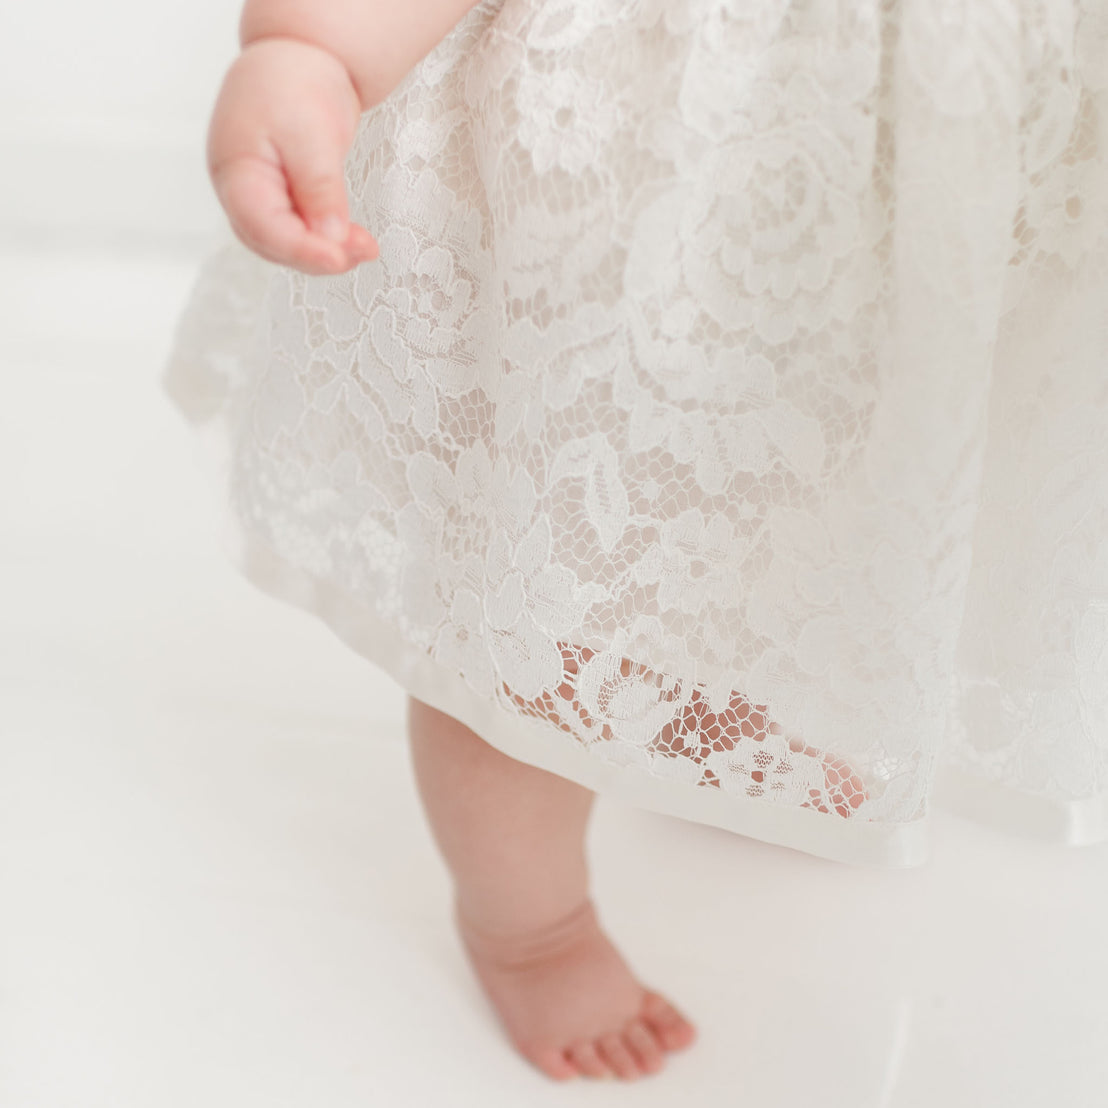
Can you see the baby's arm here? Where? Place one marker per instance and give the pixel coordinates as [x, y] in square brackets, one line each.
[378, 41]
[288, 110]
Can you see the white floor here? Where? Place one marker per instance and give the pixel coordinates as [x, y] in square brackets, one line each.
[216, 886]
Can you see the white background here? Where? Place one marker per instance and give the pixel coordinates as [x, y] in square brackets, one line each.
[216, 885]
[105, 114]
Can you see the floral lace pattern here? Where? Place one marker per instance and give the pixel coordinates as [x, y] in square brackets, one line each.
[731, 392]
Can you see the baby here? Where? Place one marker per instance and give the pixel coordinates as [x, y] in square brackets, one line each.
[512, 835]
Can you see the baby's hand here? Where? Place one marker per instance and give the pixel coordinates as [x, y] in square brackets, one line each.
[277, 143]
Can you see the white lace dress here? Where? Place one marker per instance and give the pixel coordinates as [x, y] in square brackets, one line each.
[725, 423]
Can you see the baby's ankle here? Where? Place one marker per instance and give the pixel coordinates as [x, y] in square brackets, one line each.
[518, 943]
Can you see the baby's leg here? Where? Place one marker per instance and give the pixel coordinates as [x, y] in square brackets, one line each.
[513, 837]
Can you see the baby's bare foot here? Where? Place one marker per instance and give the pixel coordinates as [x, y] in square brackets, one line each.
[569, 1002]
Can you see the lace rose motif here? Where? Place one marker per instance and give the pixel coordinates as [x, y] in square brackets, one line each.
[529, 599]
[757, 238]
[565, 119]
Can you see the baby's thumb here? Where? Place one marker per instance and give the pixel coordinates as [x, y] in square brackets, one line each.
[317, 186]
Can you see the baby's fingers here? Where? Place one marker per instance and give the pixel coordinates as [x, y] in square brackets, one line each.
[256, 196]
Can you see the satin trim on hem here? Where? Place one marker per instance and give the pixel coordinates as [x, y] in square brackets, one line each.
[1079, 822]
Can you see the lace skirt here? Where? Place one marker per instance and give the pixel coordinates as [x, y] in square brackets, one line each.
[724, 425]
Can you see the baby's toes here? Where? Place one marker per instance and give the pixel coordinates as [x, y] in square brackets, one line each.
[643, 1044]
[585, 1057]
[617, 1054]
[673, 1031]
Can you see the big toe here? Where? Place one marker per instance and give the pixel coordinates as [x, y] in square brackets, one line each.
[672, 1029]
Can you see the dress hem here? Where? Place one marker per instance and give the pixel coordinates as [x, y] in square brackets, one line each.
[853, 842]
[529, 740]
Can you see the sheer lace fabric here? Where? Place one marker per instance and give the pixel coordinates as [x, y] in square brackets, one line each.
[726, 419]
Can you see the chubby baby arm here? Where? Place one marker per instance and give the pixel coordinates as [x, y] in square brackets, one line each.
[288, 109]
